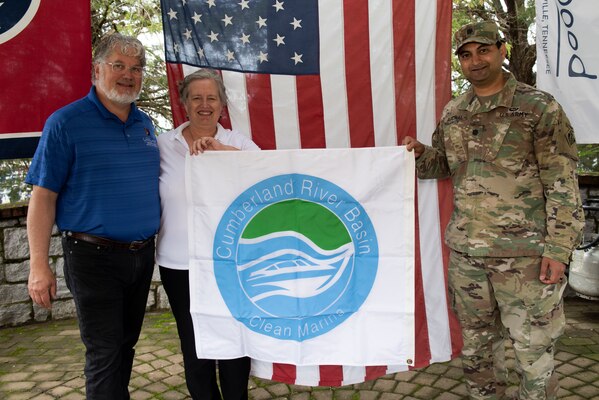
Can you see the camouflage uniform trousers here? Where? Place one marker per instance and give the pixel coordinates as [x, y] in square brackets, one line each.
[496, 297]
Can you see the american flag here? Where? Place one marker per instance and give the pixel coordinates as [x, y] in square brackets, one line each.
[333, 74]
[35, 77]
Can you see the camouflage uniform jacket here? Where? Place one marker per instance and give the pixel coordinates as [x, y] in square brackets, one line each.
[512, 159]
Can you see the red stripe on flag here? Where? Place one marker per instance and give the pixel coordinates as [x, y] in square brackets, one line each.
[357, 73]
[174, 74]
[285, 373]
[260, 106]
[404, 37]
[374, 372]
[423, 349]
[330, 375]
[444, 187]
[225, 120]
[443, 56]
[310, 112]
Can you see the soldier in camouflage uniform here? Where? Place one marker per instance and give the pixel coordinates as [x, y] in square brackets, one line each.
[511, 154]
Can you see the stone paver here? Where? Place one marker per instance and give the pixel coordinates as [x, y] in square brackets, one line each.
[44, 361]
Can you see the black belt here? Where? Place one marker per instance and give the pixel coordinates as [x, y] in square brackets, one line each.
[100, 241]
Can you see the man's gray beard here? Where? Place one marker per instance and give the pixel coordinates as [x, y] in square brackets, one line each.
[114, 95]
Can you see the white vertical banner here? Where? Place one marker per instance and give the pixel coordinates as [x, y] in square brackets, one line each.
[568, 60]
[303, 257]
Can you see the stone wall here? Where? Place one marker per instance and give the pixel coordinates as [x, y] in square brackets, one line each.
[16, 307]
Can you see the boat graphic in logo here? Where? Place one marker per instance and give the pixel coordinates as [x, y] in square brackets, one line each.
[294, 256]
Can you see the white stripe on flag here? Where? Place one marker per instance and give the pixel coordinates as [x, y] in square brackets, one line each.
[426, 14]
[309, 374]
[433, 274]
[238, 101]
[284, 100]
[332, 73]
[382, 73]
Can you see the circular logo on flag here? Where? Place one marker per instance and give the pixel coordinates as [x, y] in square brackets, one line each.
[15, 15]
[294, 256]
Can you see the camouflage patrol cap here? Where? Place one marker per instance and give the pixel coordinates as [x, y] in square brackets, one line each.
[477, 32]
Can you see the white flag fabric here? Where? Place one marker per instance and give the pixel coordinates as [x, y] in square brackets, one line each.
[303, 257]
[568, 61]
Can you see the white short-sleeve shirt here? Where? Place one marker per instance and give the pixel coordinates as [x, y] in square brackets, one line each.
[172, 247]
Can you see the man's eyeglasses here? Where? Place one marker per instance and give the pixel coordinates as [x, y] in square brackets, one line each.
[120, 68]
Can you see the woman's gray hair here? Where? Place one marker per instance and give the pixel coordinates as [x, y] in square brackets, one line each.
[200, 74]
[127, 45]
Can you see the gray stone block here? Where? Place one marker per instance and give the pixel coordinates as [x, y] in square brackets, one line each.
[40, 314]
[151, 298]
[14, 293]
[62, 291]
[9, 223]
[156, 274]
[162, 303]
[58, 267]
[62, 309]
[16, 246]
[55, 246]
[15, 314]
[17, 272]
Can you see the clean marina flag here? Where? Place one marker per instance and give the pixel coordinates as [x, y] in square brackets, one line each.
[303, 257]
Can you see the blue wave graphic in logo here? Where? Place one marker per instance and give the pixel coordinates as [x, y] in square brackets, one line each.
[295, 266]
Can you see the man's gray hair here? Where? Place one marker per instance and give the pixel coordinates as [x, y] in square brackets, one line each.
[127, 45]
[201, 74]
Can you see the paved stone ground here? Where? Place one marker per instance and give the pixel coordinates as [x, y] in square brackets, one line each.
[45, 361]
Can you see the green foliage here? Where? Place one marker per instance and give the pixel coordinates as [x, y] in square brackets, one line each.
[132, 17]
[589, 159]
[13, 188]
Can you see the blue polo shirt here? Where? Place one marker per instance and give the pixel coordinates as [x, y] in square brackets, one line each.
[104, 171]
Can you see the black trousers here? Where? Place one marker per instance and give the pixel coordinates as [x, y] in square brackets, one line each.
[110, 289]
[200, 374]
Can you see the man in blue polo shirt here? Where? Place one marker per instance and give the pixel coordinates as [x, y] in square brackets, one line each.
[95, 174]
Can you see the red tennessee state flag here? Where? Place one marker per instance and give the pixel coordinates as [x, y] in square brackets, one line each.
[45, 54]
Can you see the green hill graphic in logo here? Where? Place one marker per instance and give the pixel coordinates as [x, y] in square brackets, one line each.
[310, 219]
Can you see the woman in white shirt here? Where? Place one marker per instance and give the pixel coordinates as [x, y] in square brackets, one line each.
[203, 96]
